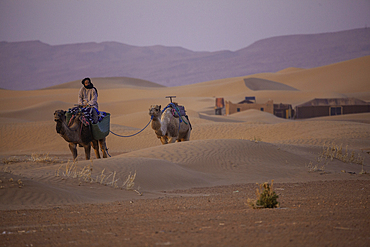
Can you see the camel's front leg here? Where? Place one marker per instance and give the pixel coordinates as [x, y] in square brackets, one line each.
[95, 146]
[73, 148]
[187, 137]
[172, 139]
[164, 140]
[87, 148]
[103, 147]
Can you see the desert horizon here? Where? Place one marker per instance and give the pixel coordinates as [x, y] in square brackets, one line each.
[52, 65]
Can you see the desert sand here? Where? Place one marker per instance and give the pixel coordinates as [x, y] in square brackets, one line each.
[225, 154]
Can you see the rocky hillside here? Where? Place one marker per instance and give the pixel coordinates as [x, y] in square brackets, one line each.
[34, 65]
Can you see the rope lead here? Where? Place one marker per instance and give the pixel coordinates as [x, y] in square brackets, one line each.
[135, 133]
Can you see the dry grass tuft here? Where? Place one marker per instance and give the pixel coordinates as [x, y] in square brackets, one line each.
[266, 197]
[11, 159]
[331, 152]
[41, 158]
[7, 170]
[20, 183]
[315, 168]
[255, 139]
[11, 183]
[129, 183]
[336, 152]
[85, 174]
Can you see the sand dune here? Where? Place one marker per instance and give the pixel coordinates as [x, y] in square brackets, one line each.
[246, 147]
[110, 83]
[331, 78]
[257, 84]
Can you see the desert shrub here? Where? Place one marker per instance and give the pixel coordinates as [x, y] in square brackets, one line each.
[266, 197]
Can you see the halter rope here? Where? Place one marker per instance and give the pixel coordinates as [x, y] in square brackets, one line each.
[135, 133]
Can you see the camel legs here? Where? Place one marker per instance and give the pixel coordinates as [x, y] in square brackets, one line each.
[172, 139]
[187, 137]
[87, 148]
[73, 148]
[164, 140]
[184, 134]
[95, 146]
[103, 147]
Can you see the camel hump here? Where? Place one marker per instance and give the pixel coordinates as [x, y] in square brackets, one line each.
[176, 109]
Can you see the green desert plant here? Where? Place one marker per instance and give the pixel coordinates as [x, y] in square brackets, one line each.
[266, 197]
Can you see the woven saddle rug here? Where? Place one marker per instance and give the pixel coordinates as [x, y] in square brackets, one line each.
[87, 112]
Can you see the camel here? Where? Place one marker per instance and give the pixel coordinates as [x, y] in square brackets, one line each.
[77, 133]
[166, 126]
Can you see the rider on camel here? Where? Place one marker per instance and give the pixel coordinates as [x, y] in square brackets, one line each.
[88, 97]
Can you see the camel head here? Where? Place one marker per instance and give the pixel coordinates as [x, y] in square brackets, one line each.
[59, 116]
[155, 111]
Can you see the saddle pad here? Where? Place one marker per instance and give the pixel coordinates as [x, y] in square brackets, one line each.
[181, 110]
[100, 129]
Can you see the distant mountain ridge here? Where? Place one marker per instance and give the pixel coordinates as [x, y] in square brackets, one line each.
[33, 65]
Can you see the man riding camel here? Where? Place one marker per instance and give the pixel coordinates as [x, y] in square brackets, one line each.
[88, 97]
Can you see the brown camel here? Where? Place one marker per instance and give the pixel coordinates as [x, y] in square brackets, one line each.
[166, 126]
[77, 133]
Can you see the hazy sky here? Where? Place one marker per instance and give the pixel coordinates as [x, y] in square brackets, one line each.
[198, 25]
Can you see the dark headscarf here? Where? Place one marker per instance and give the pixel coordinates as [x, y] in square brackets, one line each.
[90, 86]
